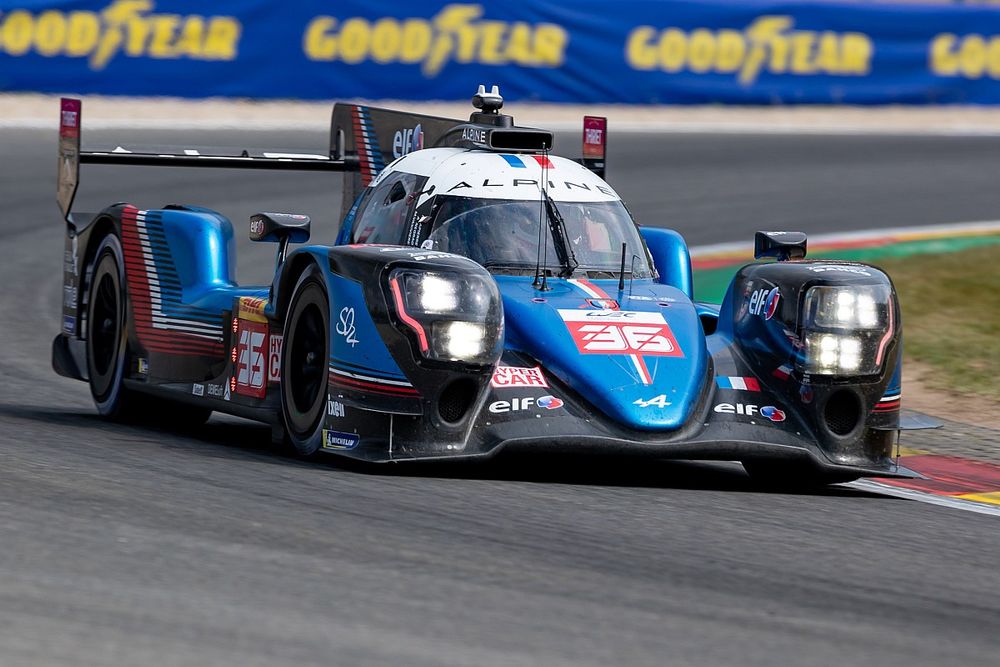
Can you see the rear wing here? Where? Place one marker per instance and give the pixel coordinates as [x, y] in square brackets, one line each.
[363, 140]
[71, 157]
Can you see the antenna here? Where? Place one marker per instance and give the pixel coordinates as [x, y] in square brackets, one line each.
[543, 247]
[621, 274]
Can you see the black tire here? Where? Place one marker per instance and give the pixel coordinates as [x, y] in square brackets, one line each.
[106, 331]
[792, 475]
[305, 363]
[107, 345]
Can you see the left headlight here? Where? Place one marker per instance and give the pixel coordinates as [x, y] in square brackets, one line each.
[454, 316]
[845, 329]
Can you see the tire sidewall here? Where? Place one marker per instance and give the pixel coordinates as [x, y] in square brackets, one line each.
[310, 289]
[109, 402]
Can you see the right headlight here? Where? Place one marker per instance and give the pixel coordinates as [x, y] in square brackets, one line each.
[454, 316]
[845, 329]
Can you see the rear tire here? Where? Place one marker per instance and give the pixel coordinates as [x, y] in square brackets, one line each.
[107, 332]
[107, 345]
[792, 475]
[305, 363]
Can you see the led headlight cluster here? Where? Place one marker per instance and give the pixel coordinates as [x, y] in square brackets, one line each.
[455, 317]
[845, 329]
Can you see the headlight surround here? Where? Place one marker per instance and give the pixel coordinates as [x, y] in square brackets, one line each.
[454, 316]
[845, 329]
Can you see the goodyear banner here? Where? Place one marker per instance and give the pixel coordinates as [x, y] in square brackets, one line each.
[629, 51]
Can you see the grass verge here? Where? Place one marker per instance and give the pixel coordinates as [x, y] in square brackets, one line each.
[951, 316]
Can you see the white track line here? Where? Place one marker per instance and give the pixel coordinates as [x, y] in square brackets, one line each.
[922, 497]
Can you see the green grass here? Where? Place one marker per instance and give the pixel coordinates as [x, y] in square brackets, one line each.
[951, 316]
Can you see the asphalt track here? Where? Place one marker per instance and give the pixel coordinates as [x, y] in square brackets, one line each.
[126, 545]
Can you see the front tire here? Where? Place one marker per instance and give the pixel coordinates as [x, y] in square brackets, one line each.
[305, 363]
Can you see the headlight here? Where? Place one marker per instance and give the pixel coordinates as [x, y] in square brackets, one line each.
[455, 316]
[845, 329]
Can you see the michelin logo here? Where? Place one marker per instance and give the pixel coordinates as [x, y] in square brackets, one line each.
[339, 440]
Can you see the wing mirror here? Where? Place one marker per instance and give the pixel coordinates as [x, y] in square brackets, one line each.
[280, 228]
[780, 245]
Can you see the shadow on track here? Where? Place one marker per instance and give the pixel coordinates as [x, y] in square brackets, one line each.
[233, 438]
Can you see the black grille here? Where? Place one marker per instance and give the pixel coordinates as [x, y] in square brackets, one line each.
[842, 412]
[455, 400]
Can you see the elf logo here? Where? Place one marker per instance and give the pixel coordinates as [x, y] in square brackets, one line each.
[765, 303]
[407, 141]
[518, 404]
[749, 410]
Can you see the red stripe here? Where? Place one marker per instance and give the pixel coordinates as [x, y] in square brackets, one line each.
[752, 384]
[544, 161]
[601, 293]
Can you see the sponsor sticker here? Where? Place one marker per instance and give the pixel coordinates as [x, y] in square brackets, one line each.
[749, 410]
[216, 390]
[69, 324]
[274, 358]
[740, 383]
[142, 366]
[621, 332]
[335, 408]
[526, 403]
[197, 390]
[251, 308]
[340, 440]
[346, 328]
[513, 376]
[764, 302]
[251, 363]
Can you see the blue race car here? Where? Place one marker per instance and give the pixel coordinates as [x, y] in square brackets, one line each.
[482, 294]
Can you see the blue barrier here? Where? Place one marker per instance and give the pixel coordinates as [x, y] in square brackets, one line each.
[631, 51]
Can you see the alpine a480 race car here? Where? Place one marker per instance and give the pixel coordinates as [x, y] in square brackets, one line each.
[481, 294]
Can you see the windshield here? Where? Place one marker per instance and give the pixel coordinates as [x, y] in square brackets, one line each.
[505, 234]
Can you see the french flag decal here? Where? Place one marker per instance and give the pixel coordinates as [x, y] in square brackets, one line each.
[782, 372]
[745, 384]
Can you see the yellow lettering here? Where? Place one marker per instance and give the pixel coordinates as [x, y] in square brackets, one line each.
[943, 60]
[82, 33]
[764, 35]
[317, 41]
[856, 51]
[972, 56]
[137, 35]
[416, 41]
[673, 50]
[518, 47]
[191, 39]
[490, 35]
[451, 19]
[732, 49]
[354, 39]
[638, 51]
[828, 53]
[164, 29]
[701, 51]
[802, 50]
[993, 58]
[550, 44]
[222, 42]
[17, 32]
[386, 39]
[50, 33]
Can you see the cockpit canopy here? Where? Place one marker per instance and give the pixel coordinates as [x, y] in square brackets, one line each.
[491, 209]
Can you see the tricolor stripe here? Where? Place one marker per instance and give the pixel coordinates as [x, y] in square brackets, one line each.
[782, 372]
[163, 322]
[378, 385]
[741, 383]
[367, 146]
[595, 292]
[513, 161]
